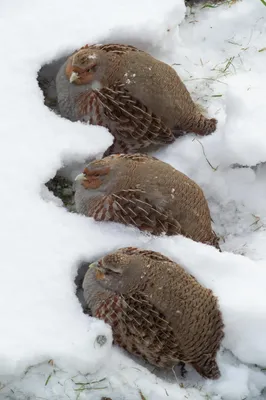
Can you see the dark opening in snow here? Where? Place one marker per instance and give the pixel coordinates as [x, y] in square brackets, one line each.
[46, 81]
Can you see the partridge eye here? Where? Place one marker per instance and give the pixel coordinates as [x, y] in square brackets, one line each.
[91, 69]
[112, 272]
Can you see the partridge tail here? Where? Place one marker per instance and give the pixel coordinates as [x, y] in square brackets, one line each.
[215, 242]
[196, 123]
[207, 367]
[203, 126]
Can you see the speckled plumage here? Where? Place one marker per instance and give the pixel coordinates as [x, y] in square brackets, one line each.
[141, 100]
[156, 309]
[147, 193]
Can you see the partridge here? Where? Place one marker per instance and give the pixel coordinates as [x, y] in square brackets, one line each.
[141, 100]
[140, 190]
[156, 309]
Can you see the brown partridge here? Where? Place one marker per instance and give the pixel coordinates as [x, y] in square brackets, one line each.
[156, 309]
[139, 190]
[141, 100]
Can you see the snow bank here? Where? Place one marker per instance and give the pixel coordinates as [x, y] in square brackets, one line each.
[217, 52]
[40, 243]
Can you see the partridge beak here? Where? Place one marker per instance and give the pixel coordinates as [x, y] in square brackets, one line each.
[73, 77]
[93, 265]
[80, 177]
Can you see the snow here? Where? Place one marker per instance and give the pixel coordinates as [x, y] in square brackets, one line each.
[219, 53]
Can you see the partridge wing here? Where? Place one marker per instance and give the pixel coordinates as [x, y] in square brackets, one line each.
[133, 121]
[153, 336]
[112, 47]
[153, 255]
[133, 207]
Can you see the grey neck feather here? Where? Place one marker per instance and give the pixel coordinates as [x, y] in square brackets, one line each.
[93, 293]
[66, 94]
[85, 198]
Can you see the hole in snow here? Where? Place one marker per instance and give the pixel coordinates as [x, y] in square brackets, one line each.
[62, 188]
[46, 81]
[81, 271]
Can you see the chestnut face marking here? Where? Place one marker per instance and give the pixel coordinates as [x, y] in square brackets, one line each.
[79, 76]
[99, 274]
[91, 178]
[80, 68]
[96, 172]
[91, 183]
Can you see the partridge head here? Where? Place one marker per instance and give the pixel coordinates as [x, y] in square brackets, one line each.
[87, 68]
[139, 190]
[140, 99]
[156, 309]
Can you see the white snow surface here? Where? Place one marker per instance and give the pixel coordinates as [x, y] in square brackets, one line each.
[220, 53]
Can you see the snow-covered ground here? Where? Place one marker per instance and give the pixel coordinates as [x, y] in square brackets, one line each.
[220, 53]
